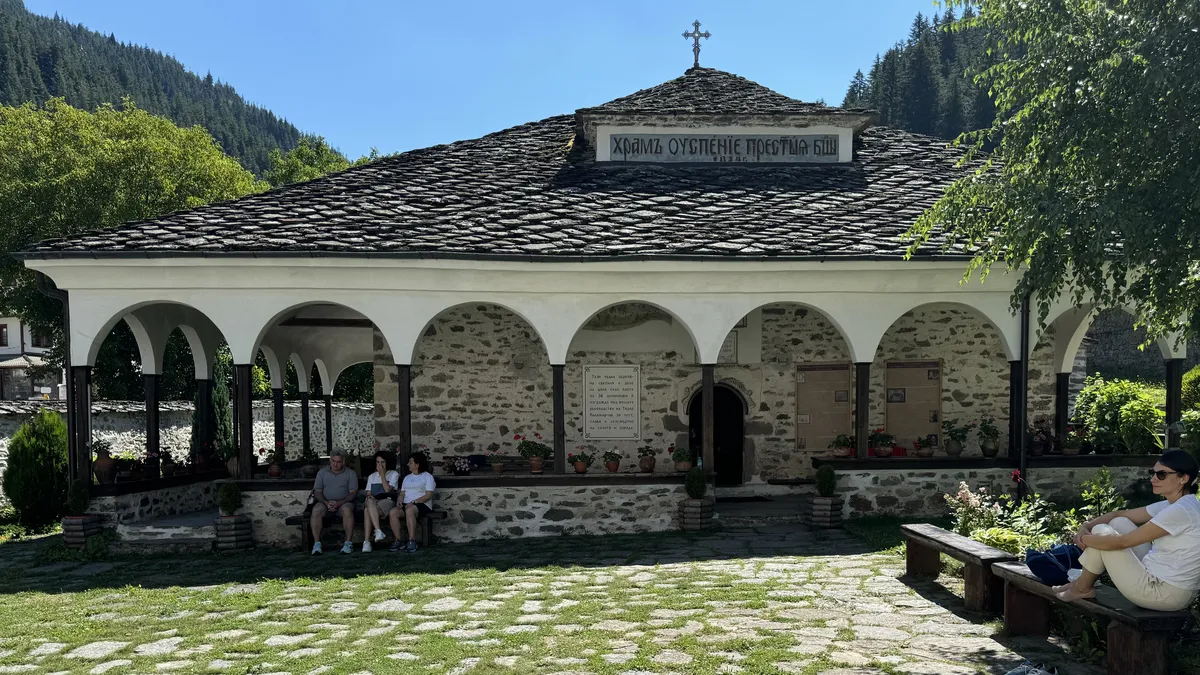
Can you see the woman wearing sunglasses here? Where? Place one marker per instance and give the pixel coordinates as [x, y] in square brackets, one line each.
[1152, 554]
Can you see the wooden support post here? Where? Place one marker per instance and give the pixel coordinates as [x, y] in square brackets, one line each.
[1024, 612]
[983, 591]
[707, 377]
[204, 423]
[153, 447]
[277, 400]
[560, 423]
[1174, 398]
[1014, 387]
[1023, 402]
[328, 424]
[921, 561]
[862, 408]
[245, 420]
[81, 466]
[404, 415]
[305, 425]
[1062, 396]
[1134, 652]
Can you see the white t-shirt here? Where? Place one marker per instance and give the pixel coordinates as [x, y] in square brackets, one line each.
[393, 479]
[1175, 558]
[416, 485]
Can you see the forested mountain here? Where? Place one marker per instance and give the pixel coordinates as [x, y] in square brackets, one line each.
[920, 84]
[41, 58]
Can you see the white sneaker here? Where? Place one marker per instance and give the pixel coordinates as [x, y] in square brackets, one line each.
[379, 536]
[317, 549]
[366, 547]
[347, 548]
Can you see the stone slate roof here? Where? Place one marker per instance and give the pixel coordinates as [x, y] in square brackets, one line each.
[532, 193]
[32, 407]
[708, 91]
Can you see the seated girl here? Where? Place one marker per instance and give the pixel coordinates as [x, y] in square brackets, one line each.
[381, 492]
[1152, 554]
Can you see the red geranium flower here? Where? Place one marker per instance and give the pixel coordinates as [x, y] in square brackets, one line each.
[1016, 476]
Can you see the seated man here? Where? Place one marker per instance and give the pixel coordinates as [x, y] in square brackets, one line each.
[334, 491]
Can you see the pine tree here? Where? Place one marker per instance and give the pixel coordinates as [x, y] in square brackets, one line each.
[919, 91]
[950, 112]
[858, 94]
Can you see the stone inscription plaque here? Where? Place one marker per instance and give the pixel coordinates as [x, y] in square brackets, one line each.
[612, 402]
[724, 148]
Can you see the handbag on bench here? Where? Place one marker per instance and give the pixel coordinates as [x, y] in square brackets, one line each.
[1050, 567]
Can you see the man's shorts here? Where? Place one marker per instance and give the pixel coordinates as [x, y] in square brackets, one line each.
[384, 506]
[319, 509]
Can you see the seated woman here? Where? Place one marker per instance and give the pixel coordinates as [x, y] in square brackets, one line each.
[1156, 565]
[381, 490]
[416, 494]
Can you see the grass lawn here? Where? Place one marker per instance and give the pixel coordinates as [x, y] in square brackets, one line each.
[767, 600]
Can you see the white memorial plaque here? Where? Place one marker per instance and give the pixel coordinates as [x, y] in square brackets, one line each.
[612, 402]
[729, 349]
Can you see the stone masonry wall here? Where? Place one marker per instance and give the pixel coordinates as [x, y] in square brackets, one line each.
[156, 503]
[481, 375]
[501, 513]
[921, 493]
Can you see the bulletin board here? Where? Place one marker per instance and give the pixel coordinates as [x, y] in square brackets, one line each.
[914, 401]
[823, 407]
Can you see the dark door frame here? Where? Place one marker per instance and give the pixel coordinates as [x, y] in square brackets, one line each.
[719, 421]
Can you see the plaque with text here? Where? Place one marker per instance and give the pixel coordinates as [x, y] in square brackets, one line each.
[784, 148]
[612, 402]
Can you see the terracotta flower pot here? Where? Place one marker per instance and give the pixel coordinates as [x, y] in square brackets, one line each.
[536, 464]
[612, 466]
[580, 467]
[683, 466]
[169, 469]
[232, 465]
[885, 451]
[646, 464]
[953, 448]
[1070, 451]
[989, 447]
[105, 470]
[845, 451]
[310, 470]
[274, 470]
[924, 452]
[497, 467]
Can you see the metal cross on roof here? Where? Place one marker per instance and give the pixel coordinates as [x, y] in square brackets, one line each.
[695, 35]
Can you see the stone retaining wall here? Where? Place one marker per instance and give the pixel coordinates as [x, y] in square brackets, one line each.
[500, 513]
[169, 501]
[921, 493]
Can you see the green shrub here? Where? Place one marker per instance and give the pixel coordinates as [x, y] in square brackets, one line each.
[36, 478]
[1191, 388]
[1100, 496]
[229, 498]
[826, 481]
[696, 483]
[1099, 406]
[1141, 422]
[1191, 432]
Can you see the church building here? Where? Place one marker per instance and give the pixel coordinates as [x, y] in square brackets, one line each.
[705, 264]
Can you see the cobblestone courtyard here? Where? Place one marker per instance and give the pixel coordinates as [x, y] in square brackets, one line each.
[767, 600]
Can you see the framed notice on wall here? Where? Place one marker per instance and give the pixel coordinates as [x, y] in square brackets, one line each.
[612, 403]
[822, 404]
[914, 401]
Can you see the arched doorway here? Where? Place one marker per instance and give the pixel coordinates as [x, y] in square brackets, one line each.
[727, 433]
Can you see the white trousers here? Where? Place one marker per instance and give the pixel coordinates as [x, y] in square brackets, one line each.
[1128, 574]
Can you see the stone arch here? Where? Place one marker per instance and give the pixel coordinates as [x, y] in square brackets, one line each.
[1071, 325]
[152, 323]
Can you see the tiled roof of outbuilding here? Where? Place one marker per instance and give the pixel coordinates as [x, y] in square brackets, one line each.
[527, 192]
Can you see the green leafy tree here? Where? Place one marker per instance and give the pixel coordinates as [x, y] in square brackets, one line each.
[65, 171]
[311, 158]
[1092, 188]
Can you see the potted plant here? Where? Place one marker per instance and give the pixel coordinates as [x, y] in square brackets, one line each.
[955, 436]
[696, 511]
[988, 435]
[78, 525]
[168, 465]
[495, 460]
[825, 509]
[311, 465]
[227, 453]
[612, 461]
[1040, 436]
[581, 461]
[1072, 442]
[923, 447]
[881, 443]
[234, 530]
[646, 458]
[104, 466]
[842, 446]
[681, 456]
[461, 466]
[535, 451]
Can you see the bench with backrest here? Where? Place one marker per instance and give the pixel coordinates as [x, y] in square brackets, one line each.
[923, 546]
[333, 522]
[1137, 638]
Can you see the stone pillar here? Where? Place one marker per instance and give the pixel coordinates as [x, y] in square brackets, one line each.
[204, 423]
[1062, 395]
[80, 463]
[707, 377]
[862, 408]
[244, 424]
[404, 414]
[277, 400]
[328, 424]
[150, 384]
[560, 423]
[1174, 398]
[305, 427]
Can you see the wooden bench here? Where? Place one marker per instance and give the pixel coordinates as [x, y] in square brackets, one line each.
[984, 593]
[1137, 638]
[333, 521]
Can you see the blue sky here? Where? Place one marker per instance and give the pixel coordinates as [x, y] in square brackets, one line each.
[398, 74]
